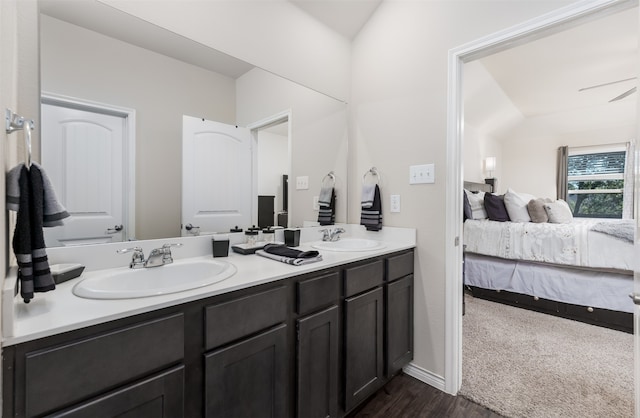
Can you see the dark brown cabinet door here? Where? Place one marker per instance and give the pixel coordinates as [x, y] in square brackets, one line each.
[399, 319]
[318, 365]
[363, 346]
[248, 378]
[160, 396]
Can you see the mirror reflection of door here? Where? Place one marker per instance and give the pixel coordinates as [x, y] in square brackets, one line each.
[83, 151]
[216, 177]
[272, 171]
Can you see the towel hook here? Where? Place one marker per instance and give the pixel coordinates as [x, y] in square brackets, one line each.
[331, 176]
[374, 173]
[15, 122]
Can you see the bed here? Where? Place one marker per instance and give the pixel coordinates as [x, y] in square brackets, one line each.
[581, 270]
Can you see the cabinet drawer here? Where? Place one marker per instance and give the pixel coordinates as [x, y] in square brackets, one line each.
[318, 292]
[239, 318]
[399, 266]
[64, 375]
[160, 396]
[364, 277]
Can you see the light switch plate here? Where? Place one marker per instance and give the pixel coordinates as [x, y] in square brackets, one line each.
[302, 183]
[424, 173]
[395, 203]
[316, 204]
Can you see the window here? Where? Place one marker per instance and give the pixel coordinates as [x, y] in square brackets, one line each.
[596, 181]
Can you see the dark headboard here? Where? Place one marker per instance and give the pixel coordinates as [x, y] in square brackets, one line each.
[478, 187]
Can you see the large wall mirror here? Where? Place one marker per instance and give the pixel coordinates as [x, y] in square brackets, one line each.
[97, 59]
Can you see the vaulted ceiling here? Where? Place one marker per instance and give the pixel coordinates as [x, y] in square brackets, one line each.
[547, 75]
[561, 82]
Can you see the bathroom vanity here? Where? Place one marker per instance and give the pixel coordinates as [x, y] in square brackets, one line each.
[313, 340]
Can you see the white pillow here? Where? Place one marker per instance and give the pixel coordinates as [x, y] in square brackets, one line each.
[516, 204]
[559, 212]
[476, 201]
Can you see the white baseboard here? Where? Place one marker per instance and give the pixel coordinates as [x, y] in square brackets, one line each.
[425, 376]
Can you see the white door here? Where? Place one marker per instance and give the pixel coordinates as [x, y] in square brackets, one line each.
[216, 176]
[82, 152]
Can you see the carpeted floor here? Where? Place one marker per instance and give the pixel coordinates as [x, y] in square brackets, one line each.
[521, 363]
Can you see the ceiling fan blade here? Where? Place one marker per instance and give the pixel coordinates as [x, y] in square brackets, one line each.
[607, 84]
[623, 95]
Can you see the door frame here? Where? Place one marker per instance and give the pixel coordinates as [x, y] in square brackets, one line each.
[276, 119]
[128, 148]
[555, 21]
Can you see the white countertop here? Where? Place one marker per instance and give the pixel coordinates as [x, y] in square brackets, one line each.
[60, 310]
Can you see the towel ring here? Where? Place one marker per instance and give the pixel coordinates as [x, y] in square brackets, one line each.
[16, 122]
[331, 176]
[374, 173]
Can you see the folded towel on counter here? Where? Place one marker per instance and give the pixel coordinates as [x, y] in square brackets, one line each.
[327, 206]
[284, 254]
[368, 194]
[53, 211]
[28, 239]
[371, 216]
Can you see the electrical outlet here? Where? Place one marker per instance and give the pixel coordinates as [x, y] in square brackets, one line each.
[302, 183]
[424, 173]
[316, 205]
[395, 203]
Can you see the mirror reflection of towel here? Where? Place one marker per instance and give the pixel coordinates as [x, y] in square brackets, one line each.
[327, 206]
[371, 215]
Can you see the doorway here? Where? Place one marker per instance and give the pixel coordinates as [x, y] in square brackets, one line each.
[272, 158]
[537, 28]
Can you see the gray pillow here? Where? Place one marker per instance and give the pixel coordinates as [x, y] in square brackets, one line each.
[536, 210]
[559, 212]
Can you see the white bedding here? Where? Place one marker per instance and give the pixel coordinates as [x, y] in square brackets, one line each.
[572, 244]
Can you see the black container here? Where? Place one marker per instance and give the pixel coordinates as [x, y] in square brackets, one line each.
[220, 246]
[291, 237]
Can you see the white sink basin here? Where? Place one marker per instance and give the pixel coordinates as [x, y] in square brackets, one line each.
[126, 283]
[350, 244]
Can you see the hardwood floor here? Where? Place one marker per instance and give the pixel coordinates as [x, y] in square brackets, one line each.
[405, 396]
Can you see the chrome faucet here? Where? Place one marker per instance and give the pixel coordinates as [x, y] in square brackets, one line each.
[157, 257]
[137, 259]
[331, 234]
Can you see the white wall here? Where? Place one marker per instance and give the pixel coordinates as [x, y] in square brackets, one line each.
[84, 64]
[477, 147]
[318, 136]
[274, 35]
[488, 112]
[398, 113]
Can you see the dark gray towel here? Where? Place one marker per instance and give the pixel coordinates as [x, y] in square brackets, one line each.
[28, 239]
[283, 250]
[284, 254]
[371, 216]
